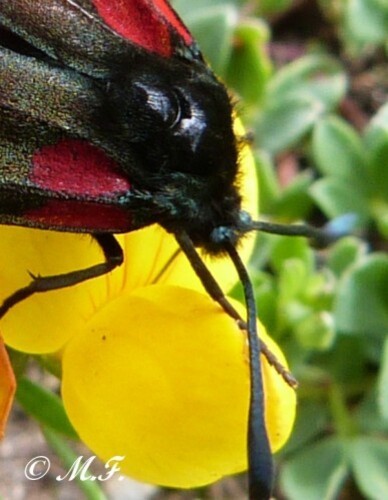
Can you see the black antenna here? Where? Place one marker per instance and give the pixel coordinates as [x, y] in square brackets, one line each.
[259, 452]
[337, 228]
[260, 471]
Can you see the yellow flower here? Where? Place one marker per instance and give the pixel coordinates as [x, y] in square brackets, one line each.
[153, 369]
[160, 376]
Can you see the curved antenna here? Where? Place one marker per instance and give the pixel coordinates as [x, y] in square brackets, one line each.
[337, 228]
[259, 451]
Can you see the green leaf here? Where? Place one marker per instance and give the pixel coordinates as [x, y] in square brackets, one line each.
[369, 459]
[290, 204]
[283, 123]
[382, 387]
[272, 6]
[346, 362]
[316, 77]
[376, 134]
[297, 96]
[213, 27]
[269, 189]
[366, 21]
[338, 151]
[361, 305]
[45, 406]
[186, 9]
[346, 252]
[295, 201]
[286, 249]
[376, 144]
[368, 415]
[316, 473]
[249, 66]
[379, 211]
[316, 331]
[312, 418]
[266, 300]
[335, 197]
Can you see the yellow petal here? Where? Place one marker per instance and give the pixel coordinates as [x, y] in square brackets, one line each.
[45, 321]
[160, 376]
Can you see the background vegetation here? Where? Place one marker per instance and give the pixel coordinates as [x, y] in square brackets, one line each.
[311, 80]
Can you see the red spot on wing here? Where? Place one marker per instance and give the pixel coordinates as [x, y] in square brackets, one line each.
[148, 23]
[79, 216]
[76, 167]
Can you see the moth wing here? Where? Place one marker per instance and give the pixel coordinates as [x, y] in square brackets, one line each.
[39, 91]
[50, 180]
[92, 35]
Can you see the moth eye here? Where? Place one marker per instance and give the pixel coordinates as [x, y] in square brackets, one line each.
[176, 111]
[184, 105]
[176, 108]
[165, 103]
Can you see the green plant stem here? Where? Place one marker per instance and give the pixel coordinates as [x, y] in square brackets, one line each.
[342, 419]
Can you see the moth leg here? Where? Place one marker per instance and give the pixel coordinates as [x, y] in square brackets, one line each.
[216, 293]
[113, 257]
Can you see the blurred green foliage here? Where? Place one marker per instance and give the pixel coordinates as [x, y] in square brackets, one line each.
[328, 309]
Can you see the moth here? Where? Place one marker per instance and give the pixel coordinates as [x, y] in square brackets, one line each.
[110, 120]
